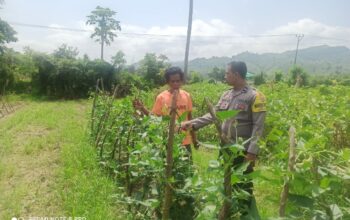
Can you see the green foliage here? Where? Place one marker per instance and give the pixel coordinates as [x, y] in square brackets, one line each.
[63, 75]
[259, 79]
[66, 52]
[70, 78]
[132, 149]
[128, 81]
[17, 70]
[321, 117]
[217, 74]
[321, 174]
[319, 188]
[200, 91]
[7, 34]
[195, 77]
[345, 82]
[152, 68]
[278, 76]
[298, 76]
[224, 115]
[329, 80]
[7, 77]
[118, 60]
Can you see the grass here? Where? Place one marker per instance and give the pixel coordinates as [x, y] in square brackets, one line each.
[47, 166]
[202, 157]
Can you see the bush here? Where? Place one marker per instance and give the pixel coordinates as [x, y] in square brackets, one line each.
[70, 78]
[278, 76]
[259, 79]
[298, 76]
[126, 83]
[195, 77]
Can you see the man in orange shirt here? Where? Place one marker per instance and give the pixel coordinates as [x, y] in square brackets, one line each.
[174, 77]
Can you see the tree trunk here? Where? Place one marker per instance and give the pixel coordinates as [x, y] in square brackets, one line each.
[189, 30]
[102, 44]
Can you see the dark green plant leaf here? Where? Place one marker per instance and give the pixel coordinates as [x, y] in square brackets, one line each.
[301, 200]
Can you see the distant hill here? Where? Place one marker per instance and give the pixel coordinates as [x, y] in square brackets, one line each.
[315, 60]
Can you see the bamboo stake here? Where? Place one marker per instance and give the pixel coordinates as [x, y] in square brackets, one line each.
[291, 163]
[105, 117]
[169, 160]
[226, 207]
[127, 171]
[93, 107]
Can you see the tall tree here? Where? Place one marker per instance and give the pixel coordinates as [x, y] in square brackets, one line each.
[105, 26]
[189, 30]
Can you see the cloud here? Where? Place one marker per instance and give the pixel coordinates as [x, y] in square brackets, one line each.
[209, 38]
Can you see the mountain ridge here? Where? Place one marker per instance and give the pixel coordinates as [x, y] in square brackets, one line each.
[315, 60]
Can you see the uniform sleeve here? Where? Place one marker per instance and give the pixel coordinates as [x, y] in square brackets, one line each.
[206, 119]
[158, 106]
[258, 117]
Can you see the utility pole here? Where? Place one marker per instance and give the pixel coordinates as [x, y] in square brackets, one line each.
[299, 38]
[189, 30]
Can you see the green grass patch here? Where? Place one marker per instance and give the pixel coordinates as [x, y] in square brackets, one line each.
[47, 165]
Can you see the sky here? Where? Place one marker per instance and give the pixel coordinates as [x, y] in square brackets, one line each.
[220, 27]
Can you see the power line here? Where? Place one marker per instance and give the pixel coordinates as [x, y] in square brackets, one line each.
[47, 27]
[153, 36]
[146, 34]
[328, 38]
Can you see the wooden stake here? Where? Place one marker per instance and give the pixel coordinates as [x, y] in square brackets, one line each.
[291, 163]
[105, 117]
[169, 160]
[225, 211]
[93, 107]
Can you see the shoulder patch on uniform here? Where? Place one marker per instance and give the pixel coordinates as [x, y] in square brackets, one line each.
[259, 104]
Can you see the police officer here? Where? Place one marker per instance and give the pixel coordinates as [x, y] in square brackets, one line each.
[247, 124]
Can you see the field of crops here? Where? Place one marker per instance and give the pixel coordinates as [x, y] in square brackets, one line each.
[133, 150]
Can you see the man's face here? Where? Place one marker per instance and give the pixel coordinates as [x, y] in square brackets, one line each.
[230, 76]
[175, 81]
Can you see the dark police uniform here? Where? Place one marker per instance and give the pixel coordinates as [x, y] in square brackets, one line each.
[248, 123]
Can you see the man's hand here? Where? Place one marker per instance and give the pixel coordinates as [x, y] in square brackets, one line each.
[250, 157]
[186, 125]
[196, 144]
[137, 104]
